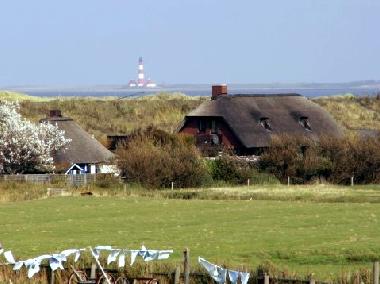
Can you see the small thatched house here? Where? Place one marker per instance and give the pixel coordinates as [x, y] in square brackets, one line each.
[246, 123]
[84, 154]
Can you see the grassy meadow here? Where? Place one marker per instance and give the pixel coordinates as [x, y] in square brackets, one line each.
[321, 229]
[303, 235]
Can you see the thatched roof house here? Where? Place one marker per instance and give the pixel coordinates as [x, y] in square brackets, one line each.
[248, 122]
[84, 153]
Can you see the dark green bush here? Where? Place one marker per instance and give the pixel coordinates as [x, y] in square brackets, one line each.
[106, 181]
[333, 159]
[231, 170]
[155, 159]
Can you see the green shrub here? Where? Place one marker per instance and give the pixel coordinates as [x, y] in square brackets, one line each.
[106, 181]
[155, 159]
[333, 159]
[231, 170]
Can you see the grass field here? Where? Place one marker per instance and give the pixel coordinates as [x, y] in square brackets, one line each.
[304, 237]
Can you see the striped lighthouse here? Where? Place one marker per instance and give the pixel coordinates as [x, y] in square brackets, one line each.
[141, 82]
[140, 74]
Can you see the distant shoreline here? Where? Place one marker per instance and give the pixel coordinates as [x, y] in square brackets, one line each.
[360, 88]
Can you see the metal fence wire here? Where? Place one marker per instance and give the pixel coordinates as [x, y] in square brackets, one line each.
[72, 180]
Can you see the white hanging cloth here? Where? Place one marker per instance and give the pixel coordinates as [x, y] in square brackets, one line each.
[216, 272]
[219, 274]
[56, 260]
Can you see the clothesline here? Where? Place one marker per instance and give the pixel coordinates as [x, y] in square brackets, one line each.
[219, 274]
[56, 260]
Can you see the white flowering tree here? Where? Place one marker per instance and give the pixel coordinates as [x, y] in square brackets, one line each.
[26, 147]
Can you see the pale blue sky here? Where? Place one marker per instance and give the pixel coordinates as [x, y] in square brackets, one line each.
[79, 42]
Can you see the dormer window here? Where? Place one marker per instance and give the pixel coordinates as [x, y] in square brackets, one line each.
[201, 125]
[265, 122]
[304, 121]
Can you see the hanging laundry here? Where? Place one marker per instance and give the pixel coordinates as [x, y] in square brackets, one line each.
[233, 276]
[164, 254]
[68, 252]
[216, 272]
[33, 265]
[18, 265]
[77, 254]
[9, 257]
[121, 260]
[33, 269]
[103, 247]
[134, 254]
[55, 263]
[244, 277]
[56, 260]
[219, 274]
[149, 255]
[98, 249]
[112, 256]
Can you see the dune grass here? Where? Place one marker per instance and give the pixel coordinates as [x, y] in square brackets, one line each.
[111, 115]
[101, 117]
[15, 96]
[353, 112]
[166, 111]
[306, 237]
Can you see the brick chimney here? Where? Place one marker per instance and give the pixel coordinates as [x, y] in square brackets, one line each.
[218, 90]
[55, 113]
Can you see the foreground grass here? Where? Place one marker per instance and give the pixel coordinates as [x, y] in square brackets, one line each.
[307, 237]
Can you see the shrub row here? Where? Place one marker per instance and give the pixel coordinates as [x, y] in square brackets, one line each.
[331, 159]
[155, 159]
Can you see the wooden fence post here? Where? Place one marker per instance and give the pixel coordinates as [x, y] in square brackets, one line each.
[311, 281]
[375, 272]
[266, 278]
[288, 181]
[186, 265]
[352, 181]
[177, 275]
[248, 182]
[93, 270]
[51, 276]
[172, 185]
[357, 280]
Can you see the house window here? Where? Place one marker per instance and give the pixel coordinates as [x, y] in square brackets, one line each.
[304, 121]
[213, 126]
[93, 169]
[265, 122]
[201, 125]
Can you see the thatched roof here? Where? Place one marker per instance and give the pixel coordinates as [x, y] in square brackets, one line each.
[284, 113]
[83, 147]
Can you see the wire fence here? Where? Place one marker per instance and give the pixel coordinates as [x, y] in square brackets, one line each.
[72, 180]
